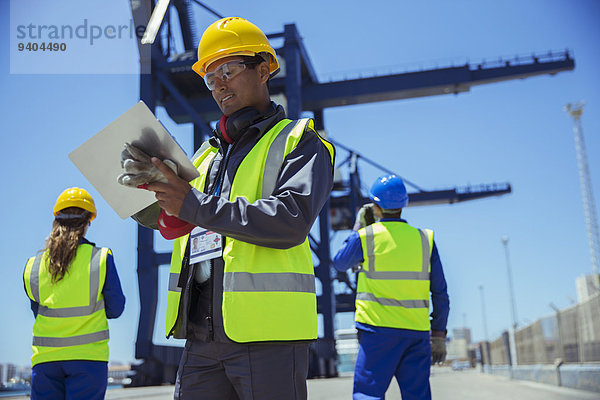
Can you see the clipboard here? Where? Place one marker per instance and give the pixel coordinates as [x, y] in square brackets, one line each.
[99, 158]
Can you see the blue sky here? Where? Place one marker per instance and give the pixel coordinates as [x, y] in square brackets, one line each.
[513, 132]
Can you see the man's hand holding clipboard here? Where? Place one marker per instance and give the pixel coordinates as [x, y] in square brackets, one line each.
[99, 158]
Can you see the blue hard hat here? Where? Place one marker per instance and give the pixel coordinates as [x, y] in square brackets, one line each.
[389, 192]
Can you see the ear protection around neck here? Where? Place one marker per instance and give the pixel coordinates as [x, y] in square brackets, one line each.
[231, 128]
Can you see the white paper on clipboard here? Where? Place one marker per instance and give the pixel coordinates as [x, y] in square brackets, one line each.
[99, 158]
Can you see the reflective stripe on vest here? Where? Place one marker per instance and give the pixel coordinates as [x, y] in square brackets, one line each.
[268, 282]
[173, 282]
[371, 273]
[70, 340]
[393, 302]
[94, 304]
[274, 159]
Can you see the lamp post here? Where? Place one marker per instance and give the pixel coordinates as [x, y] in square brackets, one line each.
[513, 308]
[561, 347]
[485, 357]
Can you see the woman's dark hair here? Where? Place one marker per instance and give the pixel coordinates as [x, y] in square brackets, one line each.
[67, 230]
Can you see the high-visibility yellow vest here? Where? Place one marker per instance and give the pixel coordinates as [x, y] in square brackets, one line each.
[71, 321]
[268, 294]
[393, 285]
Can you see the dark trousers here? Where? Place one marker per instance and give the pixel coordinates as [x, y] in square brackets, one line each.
[384, 356]
[232, 371]
[73, 380]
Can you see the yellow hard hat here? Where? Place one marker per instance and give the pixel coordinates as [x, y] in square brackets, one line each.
[232, 36]
[75, 197]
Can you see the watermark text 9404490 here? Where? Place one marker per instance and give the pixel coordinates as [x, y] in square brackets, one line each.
[44, 46]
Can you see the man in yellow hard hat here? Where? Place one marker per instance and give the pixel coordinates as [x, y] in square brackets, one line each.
[245, 297]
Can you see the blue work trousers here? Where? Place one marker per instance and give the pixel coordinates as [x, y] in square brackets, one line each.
[69, 380]
[382, 356]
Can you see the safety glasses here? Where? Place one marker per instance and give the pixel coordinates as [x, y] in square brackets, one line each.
[225, 72]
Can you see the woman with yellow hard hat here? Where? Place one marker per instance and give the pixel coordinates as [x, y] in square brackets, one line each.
[73, 287]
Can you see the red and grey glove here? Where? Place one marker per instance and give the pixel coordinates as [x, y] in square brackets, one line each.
[171, 227]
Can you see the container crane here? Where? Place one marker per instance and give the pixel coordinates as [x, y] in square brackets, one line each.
[167, 80]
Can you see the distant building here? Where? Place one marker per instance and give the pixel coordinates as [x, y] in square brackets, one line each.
[462, 333]
[11, 372]
[457, 349]
[586, 287]
[14, 373]
[25, 373]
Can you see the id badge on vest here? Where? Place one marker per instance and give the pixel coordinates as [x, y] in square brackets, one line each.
[204, 245]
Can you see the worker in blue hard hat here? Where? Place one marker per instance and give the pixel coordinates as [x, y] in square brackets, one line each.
[73, 287]
[399, 268]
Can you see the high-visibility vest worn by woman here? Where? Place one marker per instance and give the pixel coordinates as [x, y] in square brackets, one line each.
[268, 294]
[393, 286]
[71, 321]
